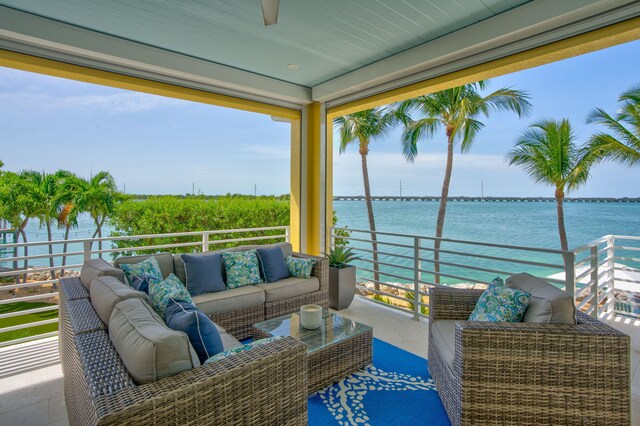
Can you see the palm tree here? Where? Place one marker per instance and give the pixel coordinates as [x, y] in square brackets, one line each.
[623, 143]
[46, 193]
[361, 128]
[67, 219]
[97, 196]
[456, 111]
[547, 151]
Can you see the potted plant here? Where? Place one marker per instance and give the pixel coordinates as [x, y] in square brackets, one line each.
[342, 277]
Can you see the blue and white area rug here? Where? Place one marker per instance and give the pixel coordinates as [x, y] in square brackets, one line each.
[396, 390]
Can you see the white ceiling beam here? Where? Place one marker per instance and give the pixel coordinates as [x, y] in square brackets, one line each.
[30, 34]
[525, 27]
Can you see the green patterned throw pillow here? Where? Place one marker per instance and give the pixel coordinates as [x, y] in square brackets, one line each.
[242, 268]
[501, 304]
[300, 267]
[162, 292]
[239, 349]
[148, 268]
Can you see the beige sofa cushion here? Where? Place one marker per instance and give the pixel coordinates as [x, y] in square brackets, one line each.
[178, 263]
[106, 292]
[165, 261]
[149, 349]
[229, 300]
[94, 268]
[443, 335]
[548, 304]
[229, 342]
[288, 288]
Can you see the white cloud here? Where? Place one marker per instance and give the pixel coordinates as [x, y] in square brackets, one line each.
[115, 103]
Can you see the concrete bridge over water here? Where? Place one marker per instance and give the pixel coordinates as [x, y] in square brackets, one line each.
[487, 199]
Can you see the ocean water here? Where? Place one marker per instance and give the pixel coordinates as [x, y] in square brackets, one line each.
[531, 224]
[528, 224]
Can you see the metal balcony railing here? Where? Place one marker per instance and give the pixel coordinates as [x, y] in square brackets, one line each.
[19, 285]
[401, 270]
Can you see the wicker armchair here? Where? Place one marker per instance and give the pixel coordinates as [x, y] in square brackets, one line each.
[525, 373]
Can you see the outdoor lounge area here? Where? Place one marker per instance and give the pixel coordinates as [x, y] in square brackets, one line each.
[238, 324]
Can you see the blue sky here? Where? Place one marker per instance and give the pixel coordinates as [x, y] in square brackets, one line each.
[159, 145]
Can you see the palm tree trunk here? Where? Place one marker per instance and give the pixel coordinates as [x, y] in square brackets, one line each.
[443, 208]
[372, 223]
[16, 238]
[564, 245]
[26, 253]
[67, 227]
[51, 263]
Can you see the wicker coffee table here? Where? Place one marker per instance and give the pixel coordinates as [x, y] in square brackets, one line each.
[338, 348]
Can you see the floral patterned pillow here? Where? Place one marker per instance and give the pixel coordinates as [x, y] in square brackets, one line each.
[162, 292]
[234, 351]
[148, 269]
[300, 267]
[501, 304]
[242, 268]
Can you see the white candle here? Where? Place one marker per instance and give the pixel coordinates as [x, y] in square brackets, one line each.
[311, 316]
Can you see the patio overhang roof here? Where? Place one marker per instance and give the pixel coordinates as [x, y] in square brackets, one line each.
[452, 40]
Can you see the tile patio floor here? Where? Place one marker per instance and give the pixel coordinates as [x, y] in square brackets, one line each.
[35, 397]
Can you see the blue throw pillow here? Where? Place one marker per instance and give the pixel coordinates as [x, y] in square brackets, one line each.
[204, 273]
[202, 332]
[272, 264]
[163, 292]
[501, 304]
[140, 283]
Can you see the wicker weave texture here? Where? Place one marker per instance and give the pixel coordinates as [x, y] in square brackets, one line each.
[239, 323]
[530, 374]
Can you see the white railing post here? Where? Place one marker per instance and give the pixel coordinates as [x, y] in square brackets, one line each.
[611, 275]
[86, 254]
[570, 274]
[594, 279]
[287, 234]
[205, 242]
[416, 278]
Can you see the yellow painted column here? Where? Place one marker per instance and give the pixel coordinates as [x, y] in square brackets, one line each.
[295, 195]
[313, 208]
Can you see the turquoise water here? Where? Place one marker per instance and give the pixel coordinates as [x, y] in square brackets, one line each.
[512, 223]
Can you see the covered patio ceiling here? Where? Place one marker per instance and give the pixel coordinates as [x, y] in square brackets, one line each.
[342, 49]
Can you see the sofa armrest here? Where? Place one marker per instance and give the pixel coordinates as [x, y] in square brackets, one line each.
[451, 303]
[543, 373]
[263, 386]
[320, 270]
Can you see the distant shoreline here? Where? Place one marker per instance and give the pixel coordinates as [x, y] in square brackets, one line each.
[489, 199]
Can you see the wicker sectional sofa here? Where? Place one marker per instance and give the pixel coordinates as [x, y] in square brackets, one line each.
[266, 385]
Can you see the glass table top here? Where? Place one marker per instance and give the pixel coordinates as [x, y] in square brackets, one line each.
[333, 329]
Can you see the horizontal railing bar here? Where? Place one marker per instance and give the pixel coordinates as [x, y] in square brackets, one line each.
[488, 257]
[391, 265]
[28, 339]
[584, 262]
[627, 259]
[583, 290]
[585, 301]
[141, 248]
[145, 236]
[602, 298]
[624, 280]
[28, 325]
[626, 237]
[624, 268]
[590, 310]
[384, 293]
[41, 256]
[23, 298]
[605, 249]
[27, 285]
[384, 253]
[584, 274]
[475, 268]
[466, 279]
[361, 240]
[627, 248]
[43, 269]
[29, 311]
[397, 287]
[239, 240]
[373, 271]
[590, 244]
[389, 305]
[450, 240]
